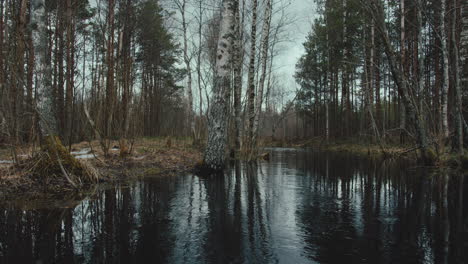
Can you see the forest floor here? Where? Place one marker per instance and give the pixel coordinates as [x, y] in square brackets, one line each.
[149, 157]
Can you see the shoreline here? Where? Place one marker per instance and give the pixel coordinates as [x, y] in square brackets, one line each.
[154, 157]
[375, 151]
[150, 157]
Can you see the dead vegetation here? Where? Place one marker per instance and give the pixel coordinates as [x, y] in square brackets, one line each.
[54, 168]
[51, 168]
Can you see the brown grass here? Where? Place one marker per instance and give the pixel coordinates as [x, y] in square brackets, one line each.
[146, 156]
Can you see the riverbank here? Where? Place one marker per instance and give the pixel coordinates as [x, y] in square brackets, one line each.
[360, 149]
[376, 151]
[149, 157]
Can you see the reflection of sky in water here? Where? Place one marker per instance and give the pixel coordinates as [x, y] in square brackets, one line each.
[300, 207]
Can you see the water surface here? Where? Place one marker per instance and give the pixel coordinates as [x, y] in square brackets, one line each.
[300, 207]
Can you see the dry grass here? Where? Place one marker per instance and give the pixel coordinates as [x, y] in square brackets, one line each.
[148, 156]
[354, 147]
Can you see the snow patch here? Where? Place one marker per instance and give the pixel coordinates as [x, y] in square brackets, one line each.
[86, 156]
[139, 158]
[81, 152]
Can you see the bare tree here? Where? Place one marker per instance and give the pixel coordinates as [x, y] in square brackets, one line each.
[181, 6]
[238, 51]
[445, 71]
[110, 87]
[251, 77]
[264, 62]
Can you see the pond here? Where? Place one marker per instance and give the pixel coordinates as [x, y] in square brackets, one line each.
[300, 207]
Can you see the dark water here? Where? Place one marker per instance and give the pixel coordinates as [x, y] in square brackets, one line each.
[301, 207]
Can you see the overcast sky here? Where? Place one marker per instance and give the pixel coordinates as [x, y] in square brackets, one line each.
[299, 15]
[304, 12]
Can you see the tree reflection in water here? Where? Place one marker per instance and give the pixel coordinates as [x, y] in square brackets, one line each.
[300, 207]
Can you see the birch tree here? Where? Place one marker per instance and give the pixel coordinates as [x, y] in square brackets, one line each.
[181, 6]
[251, 77]
[47, 123]
[214, 156]
[238, 51]
[445, 71]
[264, 60]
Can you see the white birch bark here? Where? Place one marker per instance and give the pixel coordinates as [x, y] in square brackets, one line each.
[238, 63]
[42, 68]
[214, 156]
[264, 60]
[327, 87]
[445, 71]
[421, 58]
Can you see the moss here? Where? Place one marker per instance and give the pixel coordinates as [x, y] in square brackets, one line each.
[430, 157]
[152, 171]
[48, 166]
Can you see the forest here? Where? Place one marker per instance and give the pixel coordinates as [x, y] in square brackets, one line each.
[233, 131]
[389, 73]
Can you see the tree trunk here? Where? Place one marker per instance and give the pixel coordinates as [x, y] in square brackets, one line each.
[328, 82]
[464, 54]
[251, 78]
[403, 68]
[238, 63]
[126, 72]
[458, 109]
[43, 70]
[199, 53]
[445, 72]
[264, 61]
[59, 89]
[415, 116]
[191, 117]
[420, 58]
[69, 73]
[110, 89]
[2, 37]
[214, 156]
[345, 101]
[29, 89]
[20, 76]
